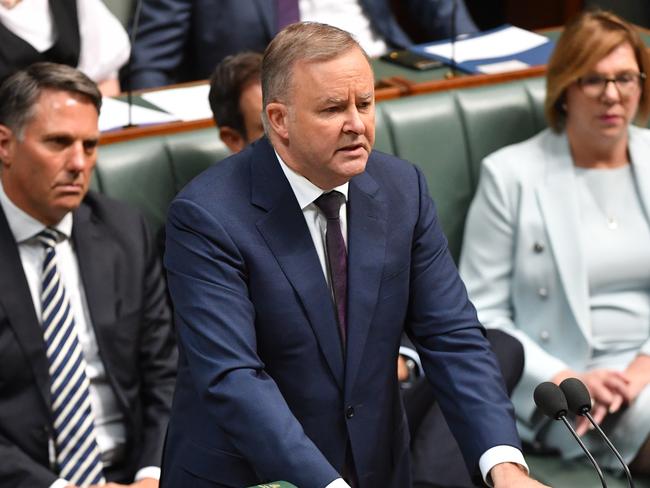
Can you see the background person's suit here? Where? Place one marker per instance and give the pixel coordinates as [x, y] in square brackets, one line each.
[125, 293]
[264, 390]
[181, 40]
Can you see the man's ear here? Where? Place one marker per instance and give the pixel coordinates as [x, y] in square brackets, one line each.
[232, 139]
[7, 144]
[278, 116]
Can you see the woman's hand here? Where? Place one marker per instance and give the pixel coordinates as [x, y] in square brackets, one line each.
[638, 373]
[608, 388]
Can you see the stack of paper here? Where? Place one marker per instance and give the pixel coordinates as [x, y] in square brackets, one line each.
[506, 48]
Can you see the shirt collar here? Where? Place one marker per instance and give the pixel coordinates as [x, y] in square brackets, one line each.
[24, 226]
[306, 192]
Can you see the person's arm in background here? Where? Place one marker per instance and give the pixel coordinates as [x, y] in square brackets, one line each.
[105, 45]
[433, 18]
[161, 42]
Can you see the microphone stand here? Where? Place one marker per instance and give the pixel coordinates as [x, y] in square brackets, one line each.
[452, 72]
[611, 446]
[129, 90]
[584, 448]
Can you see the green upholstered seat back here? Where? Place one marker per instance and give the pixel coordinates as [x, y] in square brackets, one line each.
[138, 172]
[148, 172]
[192, 152]
[428, 131]
[493, 117]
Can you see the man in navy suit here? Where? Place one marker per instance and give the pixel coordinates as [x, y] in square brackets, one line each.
[282, 375]
[182, 40]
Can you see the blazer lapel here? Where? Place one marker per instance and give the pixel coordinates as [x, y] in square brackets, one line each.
[97, 274]
[285, 231]
[558, 201]
[639, 156]
[16, 299]
[366, 251]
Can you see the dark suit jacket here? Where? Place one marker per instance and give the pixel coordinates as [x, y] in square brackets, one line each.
[181, 40]
[265, 391]
[126, 297]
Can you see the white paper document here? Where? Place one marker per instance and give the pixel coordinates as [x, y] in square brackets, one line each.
[115, 114]
[186, 103]
[498, 44]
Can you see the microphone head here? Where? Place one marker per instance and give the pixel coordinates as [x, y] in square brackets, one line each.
[577, 395]
[550, 400]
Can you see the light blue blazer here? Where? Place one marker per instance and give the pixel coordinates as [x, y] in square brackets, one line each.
[521, 258]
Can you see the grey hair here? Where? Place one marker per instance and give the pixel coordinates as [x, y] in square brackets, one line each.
[19, 92]
[302, 41]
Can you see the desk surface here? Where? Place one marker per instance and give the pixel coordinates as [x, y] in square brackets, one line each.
[393, 81]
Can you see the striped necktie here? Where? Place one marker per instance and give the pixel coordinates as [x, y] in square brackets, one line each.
[77, 453]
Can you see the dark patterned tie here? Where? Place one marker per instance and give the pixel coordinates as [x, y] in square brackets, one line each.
[287, 12]
[77, 454]
[337, 255]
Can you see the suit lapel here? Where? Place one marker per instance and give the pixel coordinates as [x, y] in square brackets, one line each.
[285, 231]
[97, 273]
[639, 157]
[558, 200]
[16, 299]
[366, 252]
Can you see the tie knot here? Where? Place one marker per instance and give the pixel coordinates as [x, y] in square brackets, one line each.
[50, 237]
[330, 203]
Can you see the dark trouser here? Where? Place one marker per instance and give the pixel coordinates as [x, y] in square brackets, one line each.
[437, 461]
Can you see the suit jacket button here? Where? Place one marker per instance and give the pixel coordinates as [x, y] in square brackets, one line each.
[544, 335]
[538, 247]
[542, 292]
[349, 412]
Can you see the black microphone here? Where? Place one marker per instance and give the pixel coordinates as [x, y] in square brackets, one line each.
[134, 32]
[579, 401]
[550, 399]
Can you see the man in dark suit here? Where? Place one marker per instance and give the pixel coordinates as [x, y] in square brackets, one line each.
[182, 40]
[291, 298]
[87, 360]
[236, 103]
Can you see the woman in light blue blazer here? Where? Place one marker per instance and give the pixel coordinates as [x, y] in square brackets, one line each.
[557, 243]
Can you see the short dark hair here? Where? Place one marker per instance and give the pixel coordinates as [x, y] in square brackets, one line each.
[227, 83]
[20, 91]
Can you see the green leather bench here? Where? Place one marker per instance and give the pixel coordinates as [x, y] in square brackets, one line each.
[447, 134]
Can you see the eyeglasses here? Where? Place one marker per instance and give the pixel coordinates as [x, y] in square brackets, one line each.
[627, 84]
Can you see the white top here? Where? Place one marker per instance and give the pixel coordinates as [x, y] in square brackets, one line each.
[346, 15]
[105, 44]
[616, 234]
[109, 421]
[306, 192]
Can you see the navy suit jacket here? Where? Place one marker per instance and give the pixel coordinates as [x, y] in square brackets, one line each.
[265, 391]
[126, 298]
[181, 40]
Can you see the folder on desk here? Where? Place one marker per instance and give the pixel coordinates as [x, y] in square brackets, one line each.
[506, 48]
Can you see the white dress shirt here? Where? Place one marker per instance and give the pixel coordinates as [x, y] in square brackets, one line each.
[347, 15]
[110, 428]
[104, 42]
[306, 192]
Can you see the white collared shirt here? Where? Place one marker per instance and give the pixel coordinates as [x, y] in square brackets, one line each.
[104, 42]
[110, 428]
[306, 192]
[347, 15]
